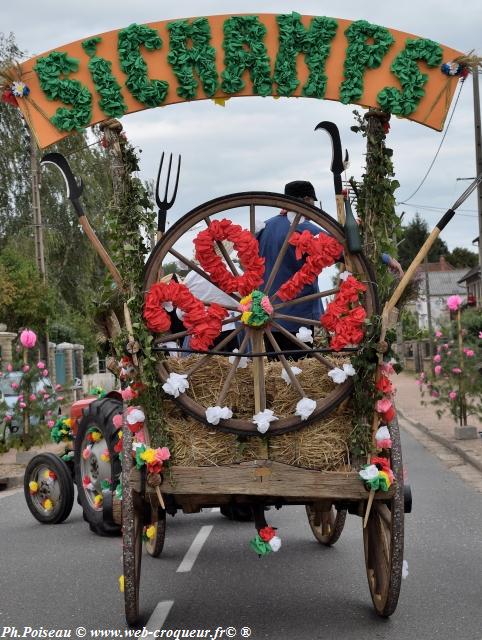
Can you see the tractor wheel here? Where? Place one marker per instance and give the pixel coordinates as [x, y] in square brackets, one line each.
[97, 465]
[48, 488]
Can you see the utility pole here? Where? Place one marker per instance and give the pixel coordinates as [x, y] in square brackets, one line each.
[478, 161]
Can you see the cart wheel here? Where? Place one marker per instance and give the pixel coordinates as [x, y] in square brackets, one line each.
[326, 525]
[48, 488]
[102, 471]
[174, 243]
[383, 540]
[132, 524]
[155, 545]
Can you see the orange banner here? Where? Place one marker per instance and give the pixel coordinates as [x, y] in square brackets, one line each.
[220, 57]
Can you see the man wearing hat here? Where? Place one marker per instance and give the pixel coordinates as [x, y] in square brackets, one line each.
[271, 240]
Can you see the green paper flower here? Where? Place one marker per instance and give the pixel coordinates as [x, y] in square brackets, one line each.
[261, 547]
[405, 67]
[112, 102]
[200, 56]
[314, 43]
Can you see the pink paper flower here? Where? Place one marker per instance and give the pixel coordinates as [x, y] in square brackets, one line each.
[452, 395]
[383, 405]
[437, 358]
[438, 334]
[438, 370]
[28, 338]
[50, 424]
[26, 368]
[388, 369]
[454, 302]
[41, 365]
[128, 394]
[117, 420]
[266, 305]
[162, 454]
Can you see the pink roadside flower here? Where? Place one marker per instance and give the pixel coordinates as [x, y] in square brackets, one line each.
[435, 394]
[437, 358]
[9, 367]
[58, 387]
[438, 334]
[14, 386]
[28, 338]
[50, 424]
[45, 373]
[41, 365]
[446, 346]
[454, 302]
[437, 370]
[456, 370]
[22, 405]
[480, 335]
[469, 353]
[452, 395]
[26, 368]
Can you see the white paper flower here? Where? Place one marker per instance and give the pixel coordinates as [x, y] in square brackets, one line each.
[304, 334]
[296, 372]
[135, 415]
[383, 434]
[243, 362]
[345, 275]
[215, 414]
[275, 543]
[168, 306]
[259, 225]
[370, 473]
[337, 375]
[349, 369]
[136, 445]
[305, 408]
[404, 569]
[175, 384]
[262, 420]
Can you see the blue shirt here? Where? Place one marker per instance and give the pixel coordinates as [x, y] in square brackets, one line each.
[271, 240]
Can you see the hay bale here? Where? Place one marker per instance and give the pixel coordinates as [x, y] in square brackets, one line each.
[321, 445]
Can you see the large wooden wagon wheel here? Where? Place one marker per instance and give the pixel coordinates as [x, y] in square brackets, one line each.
[383, 539]
[177, 244]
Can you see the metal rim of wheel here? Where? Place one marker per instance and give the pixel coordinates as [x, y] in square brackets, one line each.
[250, 201]
[132, 524]
[383, 539]
[95, 468]
[48, 489]
[326, 526]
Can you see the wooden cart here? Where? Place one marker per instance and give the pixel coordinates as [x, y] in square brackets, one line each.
[261, 481]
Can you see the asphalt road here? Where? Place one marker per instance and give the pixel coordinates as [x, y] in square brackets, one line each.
[64, 577]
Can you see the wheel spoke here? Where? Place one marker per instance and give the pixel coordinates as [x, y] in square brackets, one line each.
[384, 512]
[252, 219]
[283, 316]
[302, 345]
[194, 267]
[311, 296]
[284, 362]
[219, 346]
[281, 255]
[258, 371]
[222, 248]
[231, 372]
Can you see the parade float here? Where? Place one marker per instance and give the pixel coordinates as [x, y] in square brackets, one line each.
[219, 428]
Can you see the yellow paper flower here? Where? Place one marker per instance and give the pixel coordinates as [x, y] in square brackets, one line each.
[246, 316]
[33, 486]
[121, 584]
[68, 422]
[46, 474]
[48, 505]
[151, 531]
[96, 436]
[98, 500]
[149, 456]
[104, 457]
[384, 474]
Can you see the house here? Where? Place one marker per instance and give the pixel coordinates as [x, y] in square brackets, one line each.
[473, 283]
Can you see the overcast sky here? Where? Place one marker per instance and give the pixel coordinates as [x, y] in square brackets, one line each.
[260, 143]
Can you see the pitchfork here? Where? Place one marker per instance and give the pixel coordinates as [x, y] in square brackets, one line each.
[164, 205]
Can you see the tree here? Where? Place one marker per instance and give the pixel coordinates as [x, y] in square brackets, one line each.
[414, 235]
[462, 258]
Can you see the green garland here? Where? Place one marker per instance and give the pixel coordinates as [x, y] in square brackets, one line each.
[361, 56]
[314, 42]
[51, 71]
[112, 103]
[151, 93]
[405, 67]
[238, 32]
[200, 56]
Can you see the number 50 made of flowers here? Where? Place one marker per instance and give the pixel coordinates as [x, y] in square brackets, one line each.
[149, 65]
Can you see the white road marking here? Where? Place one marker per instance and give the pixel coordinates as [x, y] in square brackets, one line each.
[159, 615]
[193, 551]
[215, 510]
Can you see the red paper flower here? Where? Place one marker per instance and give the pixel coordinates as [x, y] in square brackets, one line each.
[389, 415]
[267, 533]
[384, 385]
[345, 316]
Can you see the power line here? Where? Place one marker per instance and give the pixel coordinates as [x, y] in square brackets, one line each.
[427, 207]
[439, 147]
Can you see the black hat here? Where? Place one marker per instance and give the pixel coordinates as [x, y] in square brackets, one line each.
[300, 189]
